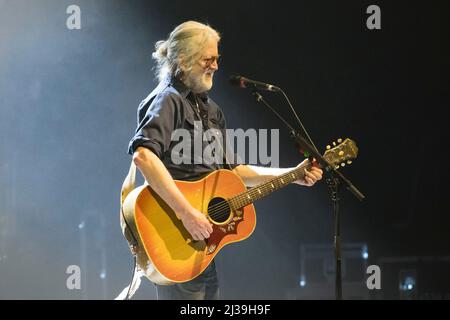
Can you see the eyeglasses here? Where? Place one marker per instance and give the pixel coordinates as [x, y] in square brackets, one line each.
[209, 61]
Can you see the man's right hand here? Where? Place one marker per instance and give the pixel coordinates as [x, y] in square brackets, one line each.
[197, 224]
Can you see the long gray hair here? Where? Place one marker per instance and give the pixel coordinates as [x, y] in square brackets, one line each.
[182, 49]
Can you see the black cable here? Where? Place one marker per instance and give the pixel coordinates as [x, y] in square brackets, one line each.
[135, 246]
[298, 119]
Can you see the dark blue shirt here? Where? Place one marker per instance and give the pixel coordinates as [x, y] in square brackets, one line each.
[173, 106]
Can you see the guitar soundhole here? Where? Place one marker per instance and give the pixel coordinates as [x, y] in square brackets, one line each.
[218, 210]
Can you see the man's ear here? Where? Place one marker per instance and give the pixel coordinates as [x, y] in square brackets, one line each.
[181, 64]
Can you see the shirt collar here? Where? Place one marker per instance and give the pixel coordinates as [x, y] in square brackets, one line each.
[184, 90]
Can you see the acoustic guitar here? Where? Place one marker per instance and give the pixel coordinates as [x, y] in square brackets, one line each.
[171, 255]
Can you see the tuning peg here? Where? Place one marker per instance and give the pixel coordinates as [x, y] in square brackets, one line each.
[341, 153]
[328, 147]
[349, 162]
[339, 140]
[334, 143]
[343, 164]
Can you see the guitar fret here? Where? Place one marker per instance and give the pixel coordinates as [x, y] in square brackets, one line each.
[264, 189]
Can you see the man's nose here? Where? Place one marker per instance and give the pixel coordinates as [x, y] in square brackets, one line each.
[214, 65]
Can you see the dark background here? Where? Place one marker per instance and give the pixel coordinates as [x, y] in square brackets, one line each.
[68, 102]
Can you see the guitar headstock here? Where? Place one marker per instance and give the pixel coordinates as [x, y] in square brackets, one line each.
[342, 153]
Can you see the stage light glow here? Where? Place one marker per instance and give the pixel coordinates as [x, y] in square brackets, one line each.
[302, 282]
[365, 253]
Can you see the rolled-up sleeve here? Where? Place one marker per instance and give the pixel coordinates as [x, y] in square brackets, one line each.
[155, 129]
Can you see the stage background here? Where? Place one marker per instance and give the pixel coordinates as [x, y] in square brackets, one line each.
[68, 102]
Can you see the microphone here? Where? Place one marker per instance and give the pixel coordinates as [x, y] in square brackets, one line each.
[243, 82]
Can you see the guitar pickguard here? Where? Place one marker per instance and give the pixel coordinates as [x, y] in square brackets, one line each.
[222, 230]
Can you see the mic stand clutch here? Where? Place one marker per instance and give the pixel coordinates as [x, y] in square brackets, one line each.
[333, 178]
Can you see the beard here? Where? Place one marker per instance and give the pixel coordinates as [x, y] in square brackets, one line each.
[200, 83]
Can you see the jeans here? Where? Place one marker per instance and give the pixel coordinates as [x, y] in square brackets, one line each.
[204, 287]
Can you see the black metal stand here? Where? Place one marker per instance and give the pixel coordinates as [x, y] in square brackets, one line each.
[333, 184]
[333, 178]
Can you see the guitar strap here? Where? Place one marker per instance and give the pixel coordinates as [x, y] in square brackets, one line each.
[128, 186]
[199, 113]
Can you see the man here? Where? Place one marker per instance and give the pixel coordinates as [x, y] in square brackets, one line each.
[187, 61]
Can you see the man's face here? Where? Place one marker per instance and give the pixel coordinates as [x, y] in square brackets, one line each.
[200, 77]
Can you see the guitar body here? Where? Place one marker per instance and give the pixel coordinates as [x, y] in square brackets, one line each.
[171, 255]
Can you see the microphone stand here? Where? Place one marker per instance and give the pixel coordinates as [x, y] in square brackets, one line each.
[334, 179]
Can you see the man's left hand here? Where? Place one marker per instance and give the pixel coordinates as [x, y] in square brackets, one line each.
[311, 176]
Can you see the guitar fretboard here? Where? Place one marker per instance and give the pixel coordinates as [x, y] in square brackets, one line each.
[245, 198]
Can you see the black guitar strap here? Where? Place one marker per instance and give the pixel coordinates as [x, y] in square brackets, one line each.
[202, 115]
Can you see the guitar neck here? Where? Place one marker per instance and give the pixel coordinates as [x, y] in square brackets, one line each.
[260, 191]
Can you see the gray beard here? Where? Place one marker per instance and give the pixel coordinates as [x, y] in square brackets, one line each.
[196, 85]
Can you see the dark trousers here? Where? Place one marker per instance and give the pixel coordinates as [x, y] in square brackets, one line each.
[204, 287]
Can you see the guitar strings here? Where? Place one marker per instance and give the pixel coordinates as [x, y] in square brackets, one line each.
[218, 208]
